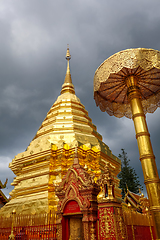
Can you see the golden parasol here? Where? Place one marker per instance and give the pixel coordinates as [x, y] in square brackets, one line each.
[128, 84]
[110, 89]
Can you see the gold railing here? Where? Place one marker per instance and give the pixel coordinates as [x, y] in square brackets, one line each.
[135, 218]
[138, 223]
[28, 220]
[37, 226]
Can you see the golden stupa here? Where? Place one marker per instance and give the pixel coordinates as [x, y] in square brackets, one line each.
[66, 128]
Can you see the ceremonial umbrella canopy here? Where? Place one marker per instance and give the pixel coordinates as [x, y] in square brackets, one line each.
[110, 88]
[128, 84]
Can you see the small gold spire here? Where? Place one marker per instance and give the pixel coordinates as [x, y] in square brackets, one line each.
[68, 86]
[68, 74]
[68, 55]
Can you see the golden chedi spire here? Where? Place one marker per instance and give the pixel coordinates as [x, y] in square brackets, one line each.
[68, 86]
[66, 127]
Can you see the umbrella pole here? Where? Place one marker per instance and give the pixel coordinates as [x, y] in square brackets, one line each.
[147, 158]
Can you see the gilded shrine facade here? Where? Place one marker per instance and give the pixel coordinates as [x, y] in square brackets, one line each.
[82, 215]
[77, 207]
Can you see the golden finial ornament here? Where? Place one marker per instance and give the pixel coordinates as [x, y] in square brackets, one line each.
[68, 74]
[68, 86]
[68, 55]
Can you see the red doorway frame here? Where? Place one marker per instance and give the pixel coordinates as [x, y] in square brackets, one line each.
[71, 209]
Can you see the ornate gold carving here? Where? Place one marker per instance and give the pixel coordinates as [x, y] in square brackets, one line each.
[92, 232]
[71, 193]
[79, 186]
[86, 230]
[59, 232]
[106, 182]
[106, 223]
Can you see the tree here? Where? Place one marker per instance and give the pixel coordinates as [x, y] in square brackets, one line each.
[128, 177]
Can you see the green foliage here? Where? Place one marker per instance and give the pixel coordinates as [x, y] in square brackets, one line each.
[128, 177]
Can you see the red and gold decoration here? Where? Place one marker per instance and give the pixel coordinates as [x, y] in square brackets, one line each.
[111, 222]
[77, 206]
[106, 182]
[110, 216]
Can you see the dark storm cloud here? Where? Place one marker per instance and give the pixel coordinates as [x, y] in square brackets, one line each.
[33, 39]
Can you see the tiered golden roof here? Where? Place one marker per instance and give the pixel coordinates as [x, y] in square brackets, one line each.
[66, 127]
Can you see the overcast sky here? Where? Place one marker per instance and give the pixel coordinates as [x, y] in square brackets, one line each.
[33, 39]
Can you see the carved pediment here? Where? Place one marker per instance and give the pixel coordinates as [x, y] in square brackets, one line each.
[76, 185]
[77, 175]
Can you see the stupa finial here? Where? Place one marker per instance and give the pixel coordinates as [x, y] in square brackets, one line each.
[68, 55]
[68, 86]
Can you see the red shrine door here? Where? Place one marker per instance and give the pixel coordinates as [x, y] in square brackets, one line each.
[72, 227]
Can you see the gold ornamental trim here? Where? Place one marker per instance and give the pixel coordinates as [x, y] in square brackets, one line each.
[102, 204]
[31, 191]
[142, 134]
[152, 180]
[138, 115]
[75, 213]
[155, 209]
[146, 156]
